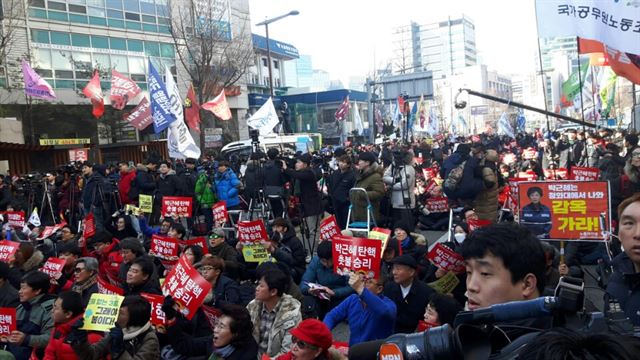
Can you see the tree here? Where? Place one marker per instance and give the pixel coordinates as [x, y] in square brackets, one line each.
[12, 15]
[214, 54]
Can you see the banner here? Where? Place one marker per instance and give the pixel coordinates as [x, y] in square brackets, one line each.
[623, 64]
[158, 316]
[429, 173]
[614, 23]
[381, 234]
[160, 103]
[141, 116]
[199, 241]
[252, 232]
[220, 214]
[556, 174]
[78, 141]
[265, 119]
[446, 259]
[343, 110]
[256, 253]
[192, 110]
[179, 205]
[179, 139]
[78, 155]
[219, 106]
[8, 250]
[105, 287]
[15, 219]
[89, 226]
[164, 247]
[584, 173]
[528, 175]
[132, 210]
[445, 284]
[102, 312]
[185, 285]
[146, 203]
[8, 322]
[212, 315]
[50, 230]
[558, 210]
[477, 224]
[358, 255]
[93, 91]
[357, 120]
[123, 89]
[437, 204]
[53, 267]
[329, 228]
[34, 85]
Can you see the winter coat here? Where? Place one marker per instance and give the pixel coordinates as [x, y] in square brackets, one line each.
[227, 184]
[536, 217]
[317, 273]
[8, 295]
[144, 183]
[124, 185]
[253, 179]
[230, 256]
[624, 286]
[204, 195]
[339, 185]
[109, 261]
[58, 349]
[570, 153]
[306, 182]
[611, 166]
[273, 175]
[371, 180]
[405, 188]
[151, 286]
[410, 308]
[93, 191]
[34, 320]
[291, 252]
[624, 186]
[486, 202]
[196, 347]
[168, 185]
[145, 346]
[188, 180]
[470, 184]
[226, 291]
[288, 316]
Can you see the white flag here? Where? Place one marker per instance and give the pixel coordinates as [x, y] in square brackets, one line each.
[179, 139]
[433, 127]
[357, 120]
[265, 118]
[34, 219]
[504, 126]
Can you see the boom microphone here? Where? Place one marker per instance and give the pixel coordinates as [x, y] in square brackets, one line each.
[515, 310]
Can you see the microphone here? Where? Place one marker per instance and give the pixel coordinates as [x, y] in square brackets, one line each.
[515, 310]
[367, 350]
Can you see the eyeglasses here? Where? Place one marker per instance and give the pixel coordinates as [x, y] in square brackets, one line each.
[302, 345]
[205, 268]
[78, 270]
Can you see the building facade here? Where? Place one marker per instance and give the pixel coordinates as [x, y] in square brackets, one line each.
[281, 53]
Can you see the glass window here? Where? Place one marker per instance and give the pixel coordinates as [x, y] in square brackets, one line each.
[162, 10]
[101, 61]
[135, 45]
[36, 3]
[136, 65]
[57, 6]
[64, 84]
[149, 27]
[61, 60]
[79, 2]
[149, 19]
[82, 61]
[84, 74]
[151, 48]
[170, 63]
[80, 40]
[60, 38]
[132, 5]
[115, 4]
[78, 9]
[142, 85]
[97, 21]
[38, 13]
[166, 50]
[118, 43]
[45, 74]
[81, 19]
[97, 3]
[147, 7]
[138, 77]
[40, 36]
[119, 62]
[42, 59]
[157, 64]
[116, 23]
[132, 16]
[133, 25]
[163, 21]
[101, 42]
[59, 16]
[64, 74]
[97, 11]
[114, 14]
[163, 29]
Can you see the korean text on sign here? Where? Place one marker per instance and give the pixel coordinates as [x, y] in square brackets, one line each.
[8, 250]
[357, 255]
[252, 232]
[164, 247]
[177, 205]
[437, 205]
[102, 312]
[185, 285]
[446, 259]
[7, 321]
[220, 214]
[329, 228]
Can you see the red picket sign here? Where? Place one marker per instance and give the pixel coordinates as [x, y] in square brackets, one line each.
[89, 226]
[584, 173]
[477, 224]
[528, 175]
[179, 205]
[556, 174]
[185, 285]
[252, 232]
[513, 185]
[430, 186]
[164, 247]
[8, 250]
[50, 230]
[429, 173]
[105, 287]
[157, 315]
[329, 228]
[212, 314]
[220, 213]
[53, 267]
[7, 321]
[437, 205]
[446, 259]
[200, 241]
[14, 218]
[529, 153]
[359, 255]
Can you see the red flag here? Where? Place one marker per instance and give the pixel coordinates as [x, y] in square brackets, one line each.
[219, 106]
[141, 116]
[192, 110]
[401, 103]
[94, 92]
[624, 64]
[343, 110]
[123, 89]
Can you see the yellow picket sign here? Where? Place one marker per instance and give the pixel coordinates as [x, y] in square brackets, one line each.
[256, 253]
[445, 284]
[146, 203]
[132, 209]
[102, 312]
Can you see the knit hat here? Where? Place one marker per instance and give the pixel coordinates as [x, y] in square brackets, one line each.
[367, 156]
[406, 260]
[132, 244]
[313, 332]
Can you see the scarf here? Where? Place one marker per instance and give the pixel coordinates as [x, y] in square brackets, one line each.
[133, 331]
[80, 287]
[224, 351]
[406, 243]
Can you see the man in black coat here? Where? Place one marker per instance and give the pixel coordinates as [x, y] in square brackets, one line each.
[286, 248]
[570, 150]
[274, 181]
[340, 182]
[410, 295]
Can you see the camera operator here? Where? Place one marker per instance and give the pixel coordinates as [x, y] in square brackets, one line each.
[205, 198]
[93, 194]
[254, 176]
[340, 182]
[274, 181]
[401, 178]
[570, 149]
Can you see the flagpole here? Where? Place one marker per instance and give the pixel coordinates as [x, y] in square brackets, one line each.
[584, 129]
[542, 76]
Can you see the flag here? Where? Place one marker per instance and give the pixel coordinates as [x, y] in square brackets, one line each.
[412, 116]
[571, 88]
[160, 102]
[219, 106]
[34, 219]
[396, 113]
[504, 126]
[422, 112]
[624, 64]
[34, 85]
[179, 139]
[521, 121]
[400, 102]
[606, 90]
[434, 123]
[192, 110]
[378, 116]
[93, 91]
[265, 119]
[343, 110]
[123, 89]
[463, 123]
[357, 120]
[141, 116]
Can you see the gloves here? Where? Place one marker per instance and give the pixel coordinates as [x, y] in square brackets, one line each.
[167, 308]
[77, 336]
[117, 340]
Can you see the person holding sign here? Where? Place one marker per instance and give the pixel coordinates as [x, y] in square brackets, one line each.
[284, 246]
[223, 289]
[536, 216]
[140, 278]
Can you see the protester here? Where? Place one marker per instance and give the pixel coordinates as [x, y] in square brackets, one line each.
[311, 340]
[340, 183]
[8, 294]
[86, 278]
[223, 289]
[226, 184]
[285, 247]
[369, 178]
[127, 176]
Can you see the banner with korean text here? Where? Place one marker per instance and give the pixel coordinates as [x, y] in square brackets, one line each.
[53, 267]
[584, 173]
[8, 322]
[8, 250]
[14, 218]
[565, 210]
[220, 213]
[360, 255]
[446, 259]
[178, 205]
[165, 248]
[157, 315]
[185, 285]
[102, 312]
[329, 228]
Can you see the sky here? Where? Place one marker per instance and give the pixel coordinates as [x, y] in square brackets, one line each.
[354, 37]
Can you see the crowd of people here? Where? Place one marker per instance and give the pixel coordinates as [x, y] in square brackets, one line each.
[288, 307]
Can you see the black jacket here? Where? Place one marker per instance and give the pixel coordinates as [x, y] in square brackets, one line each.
[226, 291]
[94, 190]
[339, 185]
[169, 185]
[291, 252]
[8, 295]
[410, 309]
[309, 195]
[624, 286]
[203, 346]
[273, 174]
[188, 180]
[253, 179]
[144, 183]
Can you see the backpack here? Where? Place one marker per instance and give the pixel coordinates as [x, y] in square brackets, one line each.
[453, 178]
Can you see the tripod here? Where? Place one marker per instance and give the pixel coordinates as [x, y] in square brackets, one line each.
[46, 197]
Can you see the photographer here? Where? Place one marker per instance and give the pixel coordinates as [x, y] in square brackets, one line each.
[401, 178]
[93, 194]
[274, 181]
[340, 182]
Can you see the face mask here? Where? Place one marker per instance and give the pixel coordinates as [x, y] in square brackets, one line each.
[460, 237]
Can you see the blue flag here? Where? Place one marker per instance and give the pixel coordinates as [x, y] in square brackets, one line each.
[504, 126]
[521, 121]
[412, 117]
[160, 103]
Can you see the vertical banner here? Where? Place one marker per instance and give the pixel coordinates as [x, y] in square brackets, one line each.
[185, 285]
[7, 321]
[220, 214]
[565, 210]
[178, 205]
[102, 312]
[358, 255]
[329, 228]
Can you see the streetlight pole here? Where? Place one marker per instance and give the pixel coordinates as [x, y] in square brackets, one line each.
[266, 29]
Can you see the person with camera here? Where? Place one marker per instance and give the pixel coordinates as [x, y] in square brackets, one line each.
[274, 182]
[400, 177]
[93, 195]
[340, 182]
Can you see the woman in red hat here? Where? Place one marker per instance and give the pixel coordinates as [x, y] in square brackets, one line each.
[311, 340]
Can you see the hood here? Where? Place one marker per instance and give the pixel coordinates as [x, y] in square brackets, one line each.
[369, 171]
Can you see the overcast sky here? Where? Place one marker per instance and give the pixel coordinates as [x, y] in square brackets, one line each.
[351, 37]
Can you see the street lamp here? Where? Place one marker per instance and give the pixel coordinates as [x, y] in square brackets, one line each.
[266, 29]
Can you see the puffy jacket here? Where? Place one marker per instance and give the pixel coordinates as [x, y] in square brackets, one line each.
[169, 185]
[34, 320]
[144, 346]
[624, 286]
[404, 188]
[144, 183]
[287, 317]
[469, 185]
[204, 195]
[317, 273]
[227, 187]
[57, 349]
[371, 181]
[124, 185]
[486, 202]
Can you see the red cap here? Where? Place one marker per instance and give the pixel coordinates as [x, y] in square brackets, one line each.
[313, 332]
